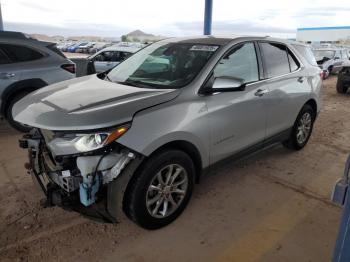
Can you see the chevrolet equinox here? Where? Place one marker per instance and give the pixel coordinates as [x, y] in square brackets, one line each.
[137, 138]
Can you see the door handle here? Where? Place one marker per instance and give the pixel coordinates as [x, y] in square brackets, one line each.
[261, 92]
[300, 79]
[7, 75]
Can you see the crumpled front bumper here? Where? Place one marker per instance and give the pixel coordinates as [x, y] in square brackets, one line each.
[93, 185]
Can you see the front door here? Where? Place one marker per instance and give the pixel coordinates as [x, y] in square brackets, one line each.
[237, 119]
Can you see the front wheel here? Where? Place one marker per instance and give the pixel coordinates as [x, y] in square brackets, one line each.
[161, 189]
[302, 129]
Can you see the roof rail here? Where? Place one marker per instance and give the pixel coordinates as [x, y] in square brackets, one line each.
[12, 34]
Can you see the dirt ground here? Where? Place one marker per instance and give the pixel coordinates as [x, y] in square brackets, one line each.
[273, 206]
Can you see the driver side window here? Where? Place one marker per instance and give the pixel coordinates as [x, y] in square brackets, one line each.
[106, 56]
[240, 62]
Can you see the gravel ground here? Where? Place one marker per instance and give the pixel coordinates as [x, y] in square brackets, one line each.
[273, 206]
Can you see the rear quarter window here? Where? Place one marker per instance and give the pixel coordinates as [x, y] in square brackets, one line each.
[18, 53]
[275, 58]
[306, 52]
[54, 48]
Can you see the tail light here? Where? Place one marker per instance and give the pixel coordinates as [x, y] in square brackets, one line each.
[69, 67]
[322, 75]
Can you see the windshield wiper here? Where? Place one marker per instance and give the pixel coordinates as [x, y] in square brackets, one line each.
[107, 77]
[136, 83]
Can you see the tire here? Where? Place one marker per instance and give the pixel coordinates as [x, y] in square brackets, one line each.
[330, 69]
[144, 187]
[9, 117]
[341, 88]
[297, 141]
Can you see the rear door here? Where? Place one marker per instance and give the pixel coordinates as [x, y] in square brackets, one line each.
[288, 87]
[9, 72]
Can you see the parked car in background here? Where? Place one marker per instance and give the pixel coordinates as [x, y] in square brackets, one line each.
[84, 48]
[26, 65]
[98, 47]
[64, 47]
[137, 138]
[343, 82]
[110, 57]
[330, 60]
[73, 48]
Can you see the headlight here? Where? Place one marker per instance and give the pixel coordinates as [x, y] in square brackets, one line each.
[79, 143]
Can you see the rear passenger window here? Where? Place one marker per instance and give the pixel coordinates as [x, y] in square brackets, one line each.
[19, 53]
[293, 62]
[276, 59]
[240, 63]
[3, 58]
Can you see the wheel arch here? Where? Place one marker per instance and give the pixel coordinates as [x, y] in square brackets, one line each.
[28, 85]
[312, 102]
[189, 149]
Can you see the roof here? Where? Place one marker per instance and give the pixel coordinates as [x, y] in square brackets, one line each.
[204, 40]
[328, 48]
[12, 34]
[324, 28]
[131, 49]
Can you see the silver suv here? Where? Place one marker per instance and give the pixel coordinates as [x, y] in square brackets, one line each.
[138, 138]
[26, 65]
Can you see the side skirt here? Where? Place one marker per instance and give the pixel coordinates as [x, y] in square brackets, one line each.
[252, 150]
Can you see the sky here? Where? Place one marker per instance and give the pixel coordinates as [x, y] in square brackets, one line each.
[114, 18]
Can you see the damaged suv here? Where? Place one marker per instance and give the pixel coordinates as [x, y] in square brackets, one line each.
[136, 139]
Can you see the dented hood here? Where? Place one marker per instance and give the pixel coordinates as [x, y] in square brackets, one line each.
[86, 103]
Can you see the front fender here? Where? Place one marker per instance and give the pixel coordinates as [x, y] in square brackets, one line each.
[169, 122]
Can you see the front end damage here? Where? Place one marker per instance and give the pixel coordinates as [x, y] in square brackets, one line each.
[92, 183]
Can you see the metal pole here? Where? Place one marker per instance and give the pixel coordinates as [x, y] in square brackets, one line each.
[208, 12]
[1, 23]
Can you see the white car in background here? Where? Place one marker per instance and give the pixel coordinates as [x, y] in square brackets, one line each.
[111, 56]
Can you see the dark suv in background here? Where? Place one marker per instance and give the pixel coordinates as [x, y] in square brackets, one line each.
[343, 82]
[27, 64]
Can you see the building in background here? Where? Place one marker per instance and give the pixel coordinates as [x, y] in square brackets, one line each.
[333, 35]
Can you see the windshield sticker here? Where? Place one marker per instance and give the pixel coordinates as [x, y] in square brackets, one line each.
[208, 48]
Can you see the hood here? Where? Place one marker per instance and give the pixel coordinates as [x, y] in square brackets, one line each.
[86, 103]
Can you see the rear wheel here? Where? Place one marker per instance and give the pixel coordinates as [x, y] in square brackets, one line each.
[161, 189]
[16, 125]
[341, 87]
[302, 129]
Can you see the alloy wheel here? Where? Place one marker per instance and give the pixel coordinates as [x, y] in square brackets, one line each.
[304, 128]
[167, 190]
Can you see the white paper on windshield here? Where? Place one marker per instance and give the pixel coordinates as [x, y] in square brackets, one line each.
[207, 48]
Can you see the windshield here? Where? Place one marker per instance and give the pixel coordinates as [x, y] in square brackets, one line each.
[163, 65]
[321, 54]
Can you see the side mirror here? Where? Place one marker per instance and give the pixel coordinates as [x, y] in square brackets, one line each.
[227, 84]
[336, 58]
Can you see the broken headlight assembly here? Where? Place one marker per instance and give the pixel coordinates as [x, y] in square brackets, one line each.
[71, 143]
